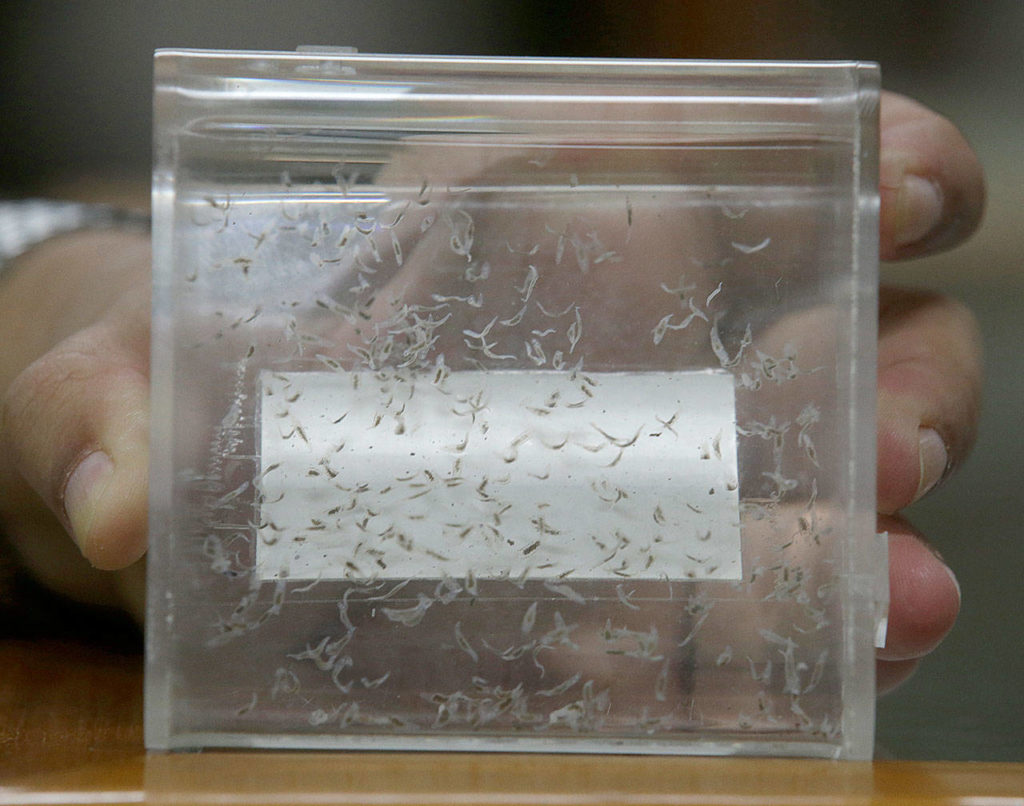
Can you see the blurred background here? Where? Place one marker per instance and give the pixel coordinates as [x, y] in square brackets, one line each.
[75, 122]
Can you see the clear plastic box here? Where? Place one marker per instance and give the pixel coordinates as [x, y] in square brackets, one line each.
[513, 404]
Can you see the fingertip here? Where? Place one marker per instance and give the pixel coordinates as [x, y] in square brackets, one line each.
[914, 460]
[932, 185]
[925, 596]
[929, 392]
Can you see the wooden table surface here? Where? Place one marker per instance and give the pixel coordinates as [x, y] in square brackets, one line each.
[71, 733]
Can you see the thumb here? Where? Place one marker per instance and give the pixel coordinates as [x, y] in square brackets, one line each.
[75, 425]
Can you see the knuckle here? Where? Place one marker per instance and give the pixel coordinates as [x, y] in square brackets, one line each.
[44, 383]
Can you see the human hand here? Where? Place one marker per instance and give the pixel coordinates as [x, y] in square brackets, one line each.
[929, 368]
[75, 421]
[929, 357]
[74, 322]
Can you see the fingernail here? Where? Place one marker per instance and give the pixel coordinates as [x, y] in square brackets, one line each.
[83, 490]
[917, 210]
[956, 582]
[934, 460]
[949, 571]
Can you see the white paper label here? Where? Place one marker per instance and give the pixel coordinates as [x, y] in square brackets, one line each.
[514, 474]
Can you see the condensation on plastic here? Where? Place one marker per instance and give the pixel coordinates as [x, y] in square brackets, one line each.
[513, 404]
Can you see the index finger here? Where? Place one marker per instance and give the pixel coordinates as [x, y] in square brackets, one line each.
[931, 183]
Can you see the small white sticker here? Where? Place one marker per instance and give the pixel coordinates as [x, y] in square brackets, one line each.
[518, 474]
